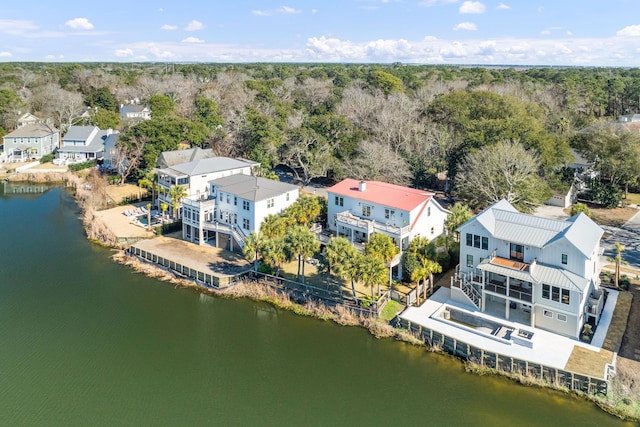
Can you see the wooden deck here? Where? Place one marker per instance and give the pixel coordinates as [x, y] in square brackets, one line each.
[509, 263]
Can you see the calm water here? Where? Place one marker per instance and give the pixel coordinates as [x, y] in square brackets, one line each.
[84, 341]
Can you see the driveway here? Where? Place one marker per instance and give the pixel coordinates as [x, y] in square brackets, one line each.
[629, 236]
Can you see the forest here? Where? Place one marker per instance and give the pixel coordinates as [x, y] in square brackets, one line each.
[482, 133]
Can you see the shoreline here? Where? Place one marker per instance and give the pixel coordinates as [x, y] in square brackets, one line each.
[616, 403]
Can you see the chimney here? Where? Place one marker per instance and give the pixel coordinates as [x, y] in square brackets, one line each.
[362, 186]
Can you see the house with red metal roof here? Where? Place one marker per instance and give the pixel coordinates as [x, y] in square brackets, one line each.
[357, 209]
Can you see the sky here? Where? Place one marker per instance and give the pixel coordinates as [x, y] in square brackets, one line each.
[455, 32]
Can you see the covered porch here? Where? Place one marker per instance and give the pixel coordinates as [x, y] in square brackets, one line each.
[358, 230]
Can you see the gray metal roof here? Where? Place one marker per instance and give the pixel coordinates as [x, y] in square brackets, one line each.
[205, 166]
[251, 187]
[504, 222]
[80, 133]
[33, 130]
[171, 158]
[540, 273]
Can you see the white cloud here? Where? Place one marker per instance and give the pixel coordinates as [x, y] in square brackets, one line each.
[314, 11]
[79, 24]
[194, 26]
[545, 32]
[192, 40]
[169, 27]
[15, 27]
[284, 10]
[123, 53]
[569, 33]
[630, 31]
[468, 26]
[472, 7]
[429, 3]
[5, 55]
[503, 6]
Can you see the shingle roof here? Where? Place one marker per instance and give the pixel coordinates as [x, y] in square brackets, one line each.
[175, 157]
[32, 130]
[251, 187]
[382, 193]
[205, 166]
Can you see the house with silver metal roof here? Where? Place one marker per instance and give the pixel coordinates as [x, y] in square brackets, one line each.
[539, 271]
[234, 206]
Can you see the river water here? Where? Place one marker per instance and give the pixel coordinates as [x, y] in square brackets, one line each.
[87, 342]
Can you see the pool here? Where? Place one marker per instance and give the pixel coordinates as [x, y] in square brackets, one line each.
[142, 219]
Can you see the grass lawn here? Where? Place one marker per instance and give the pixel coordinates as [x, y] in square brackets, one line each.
[615, 217]
[390, 309]
[632, 198]
[311, 275]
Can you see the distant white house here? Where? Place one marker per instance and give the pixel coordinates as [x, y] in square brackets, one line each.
[233, 207]
[112, 158]
[31, 141]
[358, 209]
[27, 119]
[132, 113]
[539, 271]
[194, 176]
[82, 143]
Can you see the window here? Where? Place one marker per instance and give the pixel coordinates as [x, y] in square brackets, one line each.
[565, 296]
[220, 196]
[245, 223]
[245, 205]
[339, 201]
[183, 181]
[562, 317]
[270, 203]
[469, 260]
[547, 313]
[476, 241]
[564, 259]
[546, 291]
[228, 199]
[469, 239]
[287, 197]
[366, 210]
[432, 230]
[428, 210]
[235, 218]
[516, 252]
[389, 214]
[555, 294]
[485, 243]
[235, 201]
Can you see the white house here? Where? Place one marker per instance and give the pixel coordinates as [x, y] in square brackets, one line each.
[194, 176]
[357, 209]
[539, 271]
[82, 143]
[133, 113]
[31, 141]
[233, 207]
[112, 157]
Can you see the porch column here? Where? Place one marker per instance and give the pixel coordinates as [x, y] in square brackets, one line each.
[506, 300]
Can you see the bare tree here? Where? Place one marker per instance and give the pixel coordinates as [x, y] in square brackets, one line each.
[62, 106]
[376, 161]
[129, 155]
[505, 170]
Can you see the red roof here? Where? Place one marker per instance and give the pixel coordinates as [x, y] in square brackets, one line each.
[382, 193]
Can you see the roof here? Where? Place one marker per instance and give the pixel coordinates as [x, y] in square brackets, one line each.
[206, 166]
[32, 130]
[540, 273]
[80, 133]
[132, 108]
[251, 187]
[504, 222]
[382, 193]
[167, 159]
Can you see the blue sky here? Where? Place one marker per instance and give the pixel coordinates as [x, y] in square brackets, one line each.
[514, 32]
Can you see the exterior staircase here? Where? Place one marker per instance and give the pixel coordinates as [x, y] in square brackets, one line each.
[461, 281]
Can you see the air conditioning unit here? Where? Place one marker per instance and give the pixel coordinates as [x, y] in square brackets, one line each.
[446, 315]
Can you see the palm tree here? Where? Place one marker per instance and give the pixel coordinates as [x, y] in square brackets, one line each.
[371, 271]
[339, 253]
[176, 194]
[382, 247]
[163, 209]
[274, 252]
[302, 243]
[272, 226]
[148, 216]
[619, 249]
[425, 270]
[251, 247]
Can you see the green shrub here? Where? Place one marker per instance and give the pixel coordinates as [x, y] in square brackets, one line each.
[47, 158]
[80, 166]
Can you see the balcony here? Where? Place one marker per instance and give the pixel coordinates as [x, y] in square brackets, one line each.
[369, 226]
